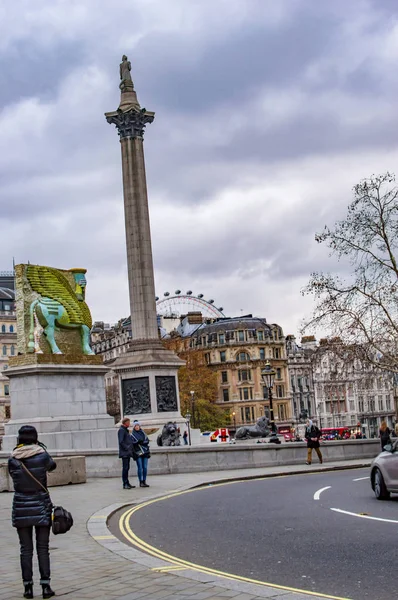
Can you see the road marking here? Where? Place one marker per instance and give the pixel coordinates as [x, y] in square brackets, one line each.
[168, 569]
[127, 532]
[361, 479]
[319, 492]
[351, 514]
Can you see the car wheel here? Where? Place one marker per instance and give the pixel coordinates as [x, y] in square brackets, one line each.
[380, 489]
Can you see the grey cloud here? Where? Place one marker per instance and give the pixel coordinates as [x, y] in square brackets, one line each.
[61, 185]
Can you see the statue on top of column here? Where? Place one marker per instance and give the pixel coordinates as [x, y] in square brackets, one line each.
[125, 76]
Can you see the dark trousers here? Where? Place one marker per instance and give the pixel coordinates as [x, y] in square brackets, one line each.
[26, 542]
[125, 469]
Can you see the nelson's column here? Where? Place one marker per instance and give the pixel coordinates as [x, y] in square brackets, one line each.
[147, 371]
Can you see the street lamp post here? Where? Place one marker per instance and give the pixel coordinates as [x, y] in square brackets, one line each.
[234, 417]
[188, 419]
[193, 408]
[268, 375]
[319, 412]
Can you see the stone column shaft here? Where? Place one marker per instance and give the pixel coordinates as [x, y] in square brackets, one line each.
[138, 241]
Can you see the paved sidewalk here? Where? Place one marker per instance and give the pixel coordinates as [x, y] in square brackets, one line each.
[82, 568]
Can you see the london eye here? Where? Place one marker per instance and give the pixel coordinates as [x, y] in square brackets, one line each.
[180, 303]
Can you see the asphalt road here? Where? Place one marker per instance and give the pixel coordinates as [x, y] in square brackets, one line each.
[274, 530]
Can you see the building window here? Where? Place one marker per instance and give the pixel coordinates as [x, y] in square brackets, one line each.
[380, 398]
[244, 374]
[207, 358]
[242, 415]
[225, 394]
[260, 336]
[282, 412]
[265, 392]
[279, 373]
[279, 391]
[221, 338]
[3, 329]
[262, 353]
[352, 405]
[223, 356]
[224, 376]
[11, 328]
[4, 350]
[6, 389]
[276, 353]
[246, 394]
[247, 414]
[7, 412]
[241, 336]
[243, 357]
[388, 403]
[12, 350]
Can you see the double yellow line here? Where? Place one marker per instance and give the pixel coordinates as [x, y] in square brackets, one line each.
[180, 564]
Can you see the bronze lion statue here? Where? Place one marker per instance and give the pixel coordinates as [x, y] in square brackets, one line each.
[260, 429]
[170, 435]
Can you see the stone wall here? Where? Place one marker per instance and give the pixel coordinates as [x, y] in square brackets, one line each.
[70, 469]
[217, 457]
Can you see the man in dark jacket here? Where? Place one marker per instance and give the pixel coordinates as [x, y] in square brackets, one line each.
[312, 435]
[28, 466]
[125, 452]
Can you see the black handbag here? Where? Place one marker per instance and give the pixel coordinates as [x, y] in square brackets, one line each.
[61, 519]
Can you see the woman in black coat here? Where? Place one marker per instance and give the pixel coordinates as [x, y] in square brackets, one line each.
[32, 506]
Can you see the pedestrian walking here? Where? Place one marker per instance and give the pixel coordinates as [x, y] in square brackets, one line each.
[384, 435]
[312, 435]
[32, 507]
[125, 450]
[185, 438]
[141, 452]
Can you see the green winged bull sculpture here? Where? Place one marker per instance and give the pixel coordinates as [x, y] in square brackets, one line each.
[53, 305]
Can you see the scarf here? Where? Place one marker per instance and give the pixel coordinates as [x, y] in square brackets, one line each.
[310, 424]
[21, 451]
[138, 436]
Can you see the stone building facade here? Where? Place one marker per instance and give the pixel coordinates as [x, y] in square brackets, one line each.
[349, 392]
[237, 349]
[8, 342]
[301, 377]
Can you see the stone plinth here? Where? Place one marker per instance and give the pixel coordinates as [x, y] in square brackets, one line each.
[149, 384]
[65, 402]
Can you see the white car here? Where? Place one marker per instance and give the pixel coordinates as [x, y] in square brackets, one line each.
[384, 472]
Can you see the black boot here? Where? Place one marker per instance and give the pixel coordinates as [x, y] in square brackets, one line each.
[47, 591]
[28, 590]
[128, 486]
[143, 484]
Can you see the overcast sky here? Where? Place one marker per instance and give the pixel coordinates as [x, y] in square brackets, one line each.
[267, 113]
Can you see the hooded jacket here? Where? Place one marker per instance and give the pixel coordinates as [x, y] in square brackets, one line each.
[31, 505]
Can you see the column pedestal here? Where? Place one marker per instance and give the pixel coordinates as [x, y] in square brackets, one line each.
[148, 383]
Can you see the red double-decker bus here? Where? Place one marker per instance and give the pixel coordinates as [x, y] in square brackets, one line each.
[337, 433]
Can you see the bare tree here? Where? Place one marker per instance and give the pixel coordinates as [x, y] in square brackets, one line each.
[362, 309]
